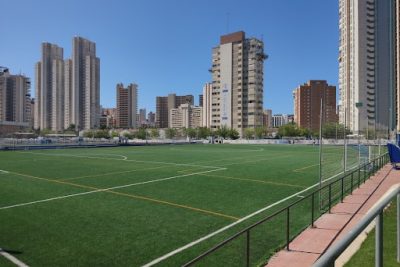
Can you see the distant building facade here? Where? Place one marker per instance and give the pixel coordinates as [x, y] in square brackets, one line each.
[126, 105]
[207, 104]
[151, 119]
[165, 103]
[15, 101]
[186, 116]
[108, 117]
[307, 104]
[279, 120]
[267, 118]
[237, 82]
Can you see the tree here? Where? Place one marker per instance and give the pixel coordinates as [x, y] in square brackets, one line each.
[114, 134]
[71, 128]
[203, 132]
[289, 130]
[191, 132]
[222, 132]
[128, 135]
[101, 134]
[259, 132]
[154, 133]
[233, 134]
[88, 134]
[141, 134]
[45, 132]
[249, 133]
[170, 133]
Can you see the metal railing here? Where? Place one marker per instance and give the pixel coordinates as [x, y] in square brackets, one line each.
[343, 185]
[376, 213]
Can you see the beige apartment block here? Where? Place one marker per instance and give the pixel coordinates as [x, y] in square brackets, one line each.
[237, 82]
[165, 103]
[15, 102]
[186, 116]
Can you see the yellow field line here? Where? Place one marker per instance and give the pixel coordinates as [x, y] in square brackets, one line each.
[110, 173]
[252, 180]
[303, 168]
[131, 196]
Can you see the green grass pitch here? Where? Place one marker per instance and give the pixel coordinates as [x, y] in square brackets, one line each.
[127, 206]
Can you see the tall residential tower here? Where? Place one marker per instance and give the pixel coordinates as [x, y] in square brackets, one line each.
[366, 64]
[237, 82]
[85, 95]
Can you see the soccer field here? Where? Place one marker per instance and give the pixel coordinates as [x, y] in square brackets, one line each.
[127, 206]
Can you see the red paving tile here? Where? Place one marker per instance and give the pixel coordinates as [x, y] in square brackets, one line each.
[329, 228]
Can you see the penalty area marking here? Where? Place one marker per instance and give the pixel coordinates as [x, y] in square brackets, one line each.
[125, 160]
[106, 189]
[193, 243]
[12, 258]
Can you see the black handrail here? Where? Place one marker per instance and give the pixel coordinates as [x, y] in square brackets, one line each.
[372, 166]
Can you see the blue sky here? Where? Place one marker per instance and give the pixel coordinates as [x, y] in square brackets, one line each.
[165, 45]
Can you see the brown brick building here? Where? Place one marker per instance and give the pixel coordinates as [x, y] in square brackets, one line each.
[165, 103]
[307, 104]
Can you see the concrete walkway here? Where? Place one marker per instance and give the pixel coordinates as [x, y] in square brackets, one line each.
[306, 248]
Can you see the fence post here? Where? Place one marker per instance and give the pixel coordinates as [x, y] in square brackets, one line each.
[398, 227]
[248, 248]
[287, 228]
[312, 210]
[379, 240]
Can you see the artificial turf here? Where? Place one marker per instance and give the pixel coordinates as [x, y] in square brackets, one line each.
[158, 198]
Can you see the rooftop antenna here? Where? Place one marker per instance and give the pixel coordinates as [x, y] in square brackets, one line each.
[227, 22]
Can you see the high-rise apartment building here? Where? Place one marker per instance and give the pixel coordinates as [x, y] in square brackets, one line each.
[366, 64]
[15, 102]
[85, 104]
[207, 105]
[397, 61]
[126, 105]
[68, 91]
[237, 80]
[186, 116]
[165, 103]
[49, 88]
[307, 104]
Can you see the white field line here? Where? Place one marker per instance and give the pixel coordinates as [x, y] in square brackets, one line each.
[130, 160]
[107, 189]
[222, 151]
[12, 258]
[193, 243]
[2, 171]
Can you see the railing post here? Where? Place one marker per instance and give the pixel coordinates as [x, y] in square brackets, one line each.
[359, 175]
[248, 248]
[342, 189]
[379, 240]
[287, 228]
[365, 171]
[330, 196]
[398, 227]
[312, 210]
[352, 184]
